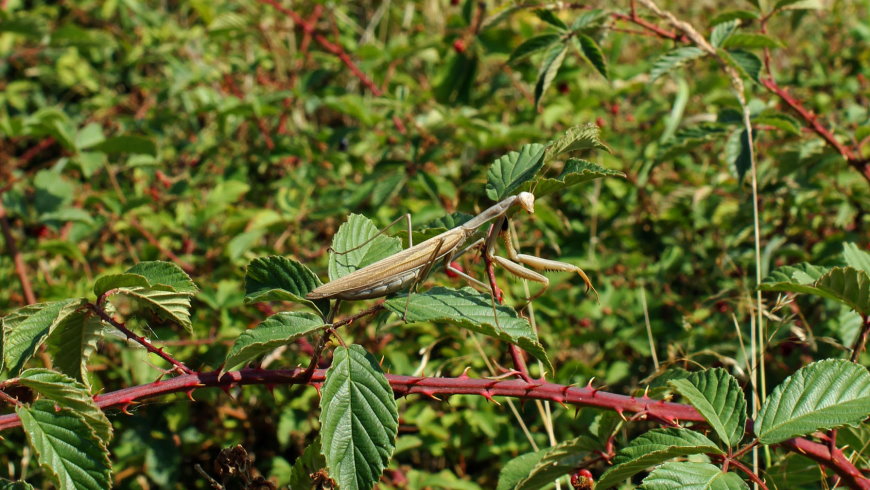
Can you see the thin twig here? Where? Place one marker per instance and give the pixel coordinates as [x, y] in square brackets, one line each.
[139, 340]
[20, 267]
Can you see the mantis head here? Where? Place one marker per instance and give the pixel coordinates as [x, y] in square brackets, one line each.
[527, 201]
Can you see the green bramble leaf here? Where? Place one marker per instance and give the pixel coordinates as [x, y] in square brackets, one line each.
[548, 70]
[593, 53]
[723, 31]
[277, 330]
[473, 310]
[533, 45]
[856, 258]
[359, 419]
[276, 278]
[685, 475]
[746, 62]
[549, 17]
[557, 461]
[69, 393]
[72, 342]
[67, 448]
[25, 329]
[357, 244]
[846, 285]
[165, 274]
[652, 448]
[672, 60]
[510, 171]
[577, 138]
[575, 172]
[823, 395]
[719, 398]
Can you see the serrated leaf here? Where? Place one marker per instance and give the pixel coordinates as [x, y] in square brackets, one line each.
[473, 310]
[672, 60]
[73, 341]
[855, 257]
[159, 303]
[723, 31]
[276, 278]
[719, 398]
[549, 17]
[823, 395]
[165, 273]
[67, 449]
[127, 144]
[746, 62]
[652, 448]
[575, 172]
[359, 419]
[517, 469]
[353, 234]
[548, 70]
[588, 19]
[69, 393]
[593, 53]
[116, 281]
[692, 476]
[25, 329]
[803, 273]
[751, 41]
[277, 330]
[310, 461]
[532, 45]
[557, 461]
[846, 285]
[576, 138]
[737, 153]
[510, 171]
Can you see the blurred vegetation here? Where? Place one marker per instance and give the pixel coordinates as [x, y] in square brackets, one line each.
[209, 133]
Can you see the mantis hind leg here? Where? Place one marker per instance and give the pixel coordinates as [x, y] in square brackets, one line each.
[422, 274]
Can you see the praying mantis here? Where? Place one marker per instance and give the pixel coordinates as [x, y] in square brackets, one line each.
[407, 268]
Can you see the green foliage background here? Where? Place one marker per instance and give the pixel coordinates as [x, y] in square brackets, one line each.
[217, 132]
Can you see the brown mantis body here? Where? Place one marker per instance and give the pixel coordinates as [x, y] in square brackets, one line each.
[408, 267]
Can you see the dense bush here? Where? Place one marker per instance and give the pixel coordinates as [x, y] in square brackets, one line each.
[176, 177]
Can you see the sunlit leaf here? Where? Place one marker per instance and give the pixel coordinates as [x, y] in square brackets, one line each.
[277, 330]
[276, 278]
[67, 449]
[719, 398]
[69, 393]
[473, 310]
[357, 244]
[822, 395]
[652, 448]
[686, 475]
[359, 419]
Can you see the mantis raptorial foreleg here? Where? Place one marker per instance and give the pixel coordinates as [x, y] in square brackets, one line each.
[515, 264]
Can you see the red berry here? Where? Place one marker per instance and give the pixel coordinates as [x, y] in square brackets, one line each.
[451, 273]
[582, 480]
[599, 121]
[459, 46]
[563, 88]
